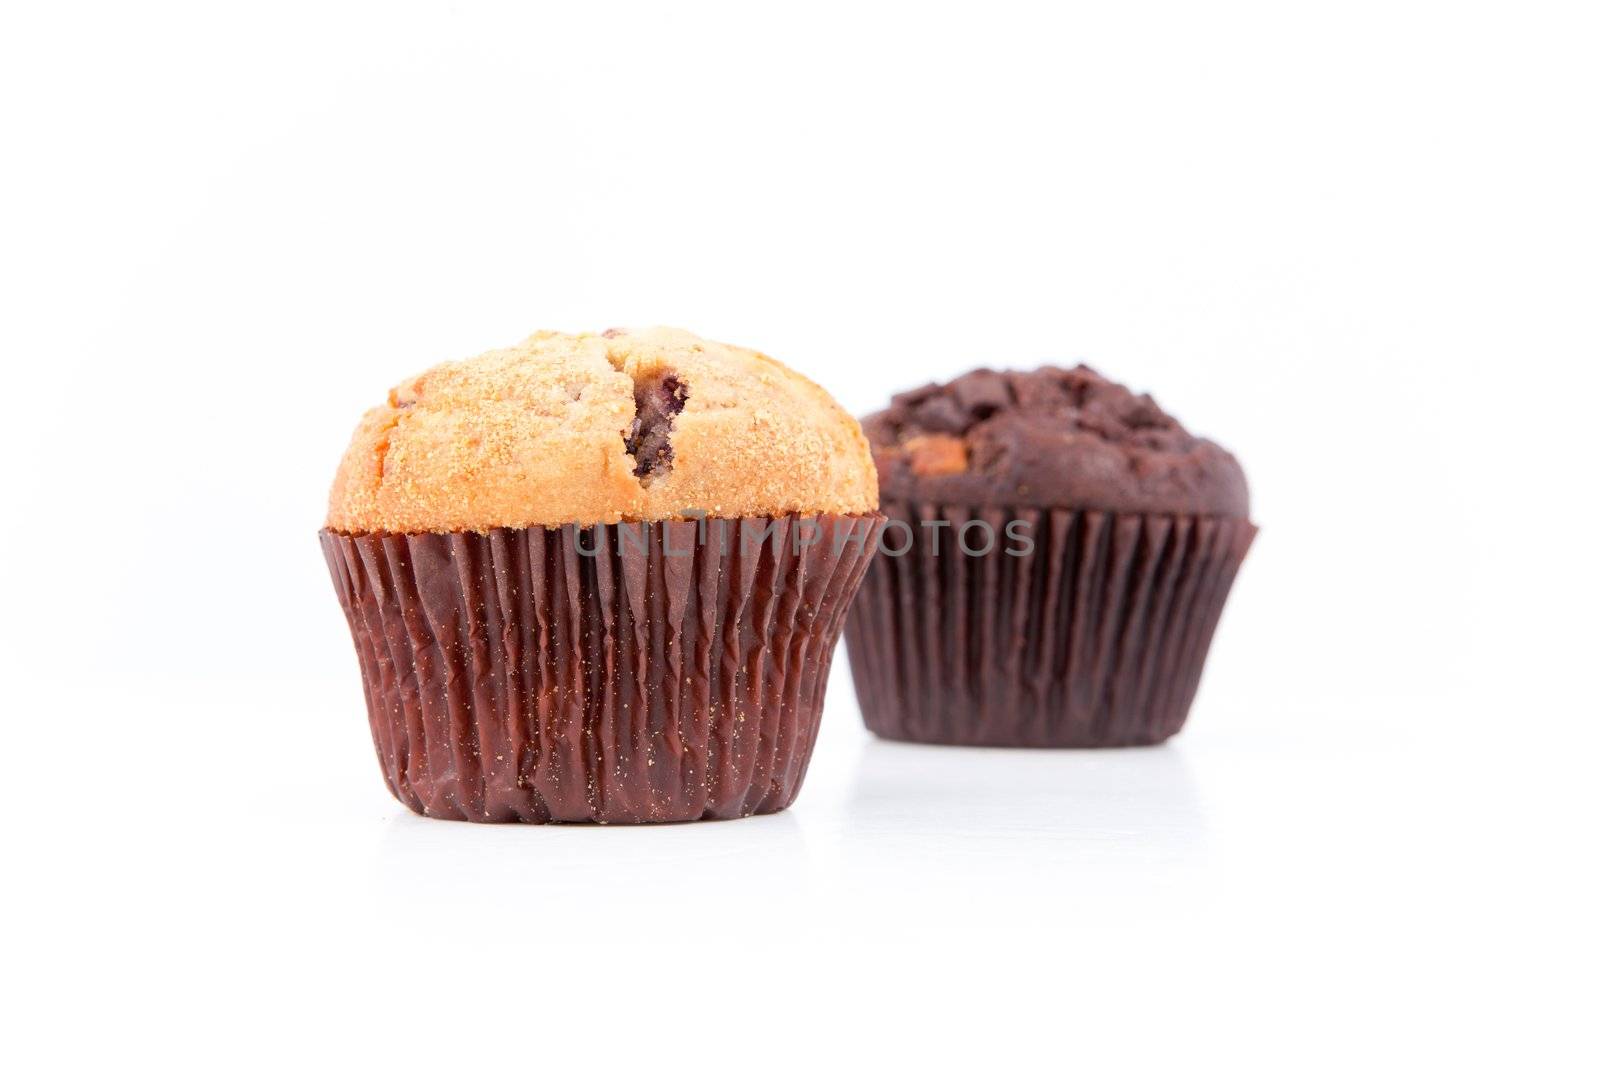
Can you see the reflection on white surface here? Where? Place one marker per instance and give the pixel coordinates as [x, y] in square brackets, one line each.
[925, 822]
[1135, 795]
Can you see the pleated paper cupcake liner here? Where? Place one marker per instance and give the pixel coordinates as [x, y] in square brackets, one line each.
[647, 672]
[1095, 636]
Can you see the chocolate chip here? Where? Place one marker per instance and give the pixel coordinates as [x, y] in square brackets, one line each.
[915, 396]
[942, 415]
[657, 399]
[982, 393]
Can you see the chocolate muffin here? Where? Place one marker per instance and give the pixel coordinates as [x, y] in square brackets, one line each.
[1057, 556]
[600, 577]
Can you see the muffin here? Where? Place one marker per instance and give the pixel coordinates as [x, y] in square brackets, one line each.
[1057, 554]
[600, 577]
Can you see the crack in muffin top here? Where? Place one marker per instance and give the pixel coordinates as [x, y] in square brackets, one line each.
[594, 428]
[1050, 437]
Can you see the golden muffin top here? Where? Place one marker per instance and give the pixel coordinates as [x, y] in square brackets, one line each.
[597, 428]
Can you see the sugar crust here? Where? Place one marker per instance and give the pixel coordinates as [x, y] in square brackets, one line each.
[534, 435]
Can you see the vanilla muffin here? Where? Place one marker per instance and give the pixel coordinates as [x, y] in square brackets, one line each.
[600, 577]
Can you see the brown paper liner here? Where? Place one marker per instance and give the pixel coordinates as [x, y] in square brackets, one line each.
[1095, 638]
[678, 674]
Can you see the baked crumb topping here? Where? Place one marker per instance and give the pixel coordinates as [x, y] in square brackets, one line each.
[598, 428]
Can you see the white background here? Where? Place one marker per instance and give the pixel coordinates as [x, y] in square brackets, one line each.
[1356, 243]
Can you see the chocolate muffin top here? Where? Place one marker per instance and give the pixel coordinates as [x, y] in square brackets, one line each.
[1048, 438]
[597, 428]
